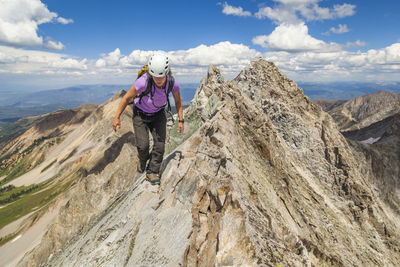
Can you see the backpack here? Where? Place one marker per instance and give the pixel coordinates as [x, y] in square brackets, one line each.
[149, 86]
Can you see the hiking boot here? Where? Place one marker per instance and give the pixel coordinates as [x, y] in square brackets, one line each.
[153, 178]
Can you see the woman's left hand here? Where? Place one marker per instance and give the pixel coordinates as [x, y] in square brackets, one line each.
[180, 127]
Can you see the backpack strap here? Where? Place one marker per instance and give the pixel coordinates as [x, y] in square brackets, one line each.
[171, 84]
[148, 89]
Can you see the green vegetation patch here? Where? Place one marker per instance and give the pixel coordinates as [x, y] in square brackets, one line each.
[11, 193]
[35, 199]
[132, 245]
[21, 168]
[7, 238]
[15, 129]
[48, 166]
[41, 160]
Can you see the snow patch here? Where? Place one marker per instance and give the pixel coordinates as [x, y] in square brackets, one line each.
[15, 239]
[371, 140]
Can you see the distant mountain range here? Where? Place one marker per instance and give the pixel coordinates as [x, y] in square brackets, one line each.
[15, 106]
[345, 90]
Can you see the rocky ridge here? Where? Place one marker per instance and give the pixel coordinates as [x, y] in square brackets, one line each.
[265, 179]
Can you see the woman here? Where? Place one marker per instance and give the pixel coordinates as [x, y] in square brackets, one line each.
[149, 114]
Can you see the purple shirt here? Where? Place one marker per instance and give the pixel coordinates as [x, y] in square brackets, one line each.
[159, 95]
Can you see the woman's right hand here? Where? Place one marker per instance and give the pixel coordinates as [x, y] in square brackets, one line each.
[116, 123]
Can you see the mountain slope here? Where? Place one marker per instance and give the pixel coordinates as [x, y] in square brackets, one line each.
[375, 140]
[365, 110]
[378, 146]
[328, 105]
[266, 179]
[55, 154]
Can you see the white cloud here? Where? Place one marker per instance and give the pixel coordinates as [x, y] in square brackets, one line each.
[325, 63]
[279, 15]
[64, 20]
[223, 53]
[342, 11]
[16, 60]
[189, 65]
[295, 11]
[53, 44]
[19, 21]
[136, 58]
[342, 28]
[289, 2]
[293, 38]
[357, 43]
[110, 59]
[70, 63]
[236, 11]
[381, 64]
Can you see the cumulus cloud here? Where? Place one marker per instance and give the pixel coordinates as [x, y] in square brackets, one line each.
[110, 59]
[19, 21]
[236, 11]
[223, 53]
[64, 20]
[296, 2]
[342, 11]
[293, 38]
[53, 44]
[295, 11]
[190, 65]
[357, 43]
[70, 63]
[291, 34]
[342, 28]
[279, 14]
[16, 60]
[339, 65]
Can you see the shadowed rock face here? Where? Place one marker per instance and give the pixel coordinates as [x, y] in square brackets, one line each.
[375, 140]
[328, 105]
[266, 179]
[378, 146]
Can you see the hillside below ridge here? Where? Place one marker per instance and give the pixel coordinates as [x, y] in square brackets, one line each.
[264, 178]
[375, 139]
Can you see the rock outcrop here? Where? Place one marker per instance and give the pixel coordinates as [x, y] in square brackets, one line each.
[266, 178]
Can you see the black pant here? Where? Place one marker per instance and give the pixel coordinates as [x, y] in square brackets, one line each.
[157, 125]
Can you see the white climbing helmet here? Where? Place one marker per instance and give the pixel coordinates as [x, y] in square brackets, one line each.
[158, 64]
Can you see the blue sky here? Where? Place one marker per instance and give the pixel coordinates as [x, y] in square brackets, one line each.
[47, 44]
